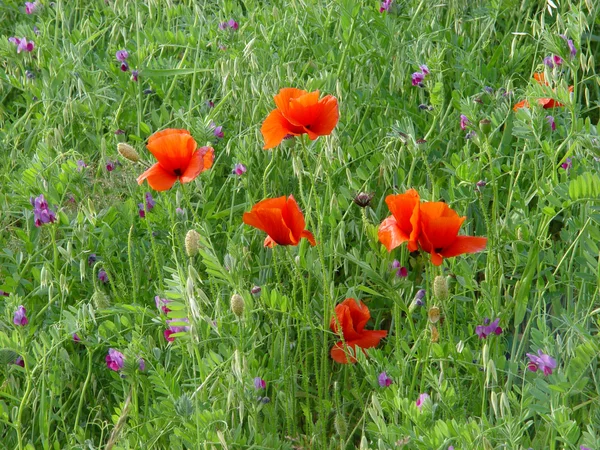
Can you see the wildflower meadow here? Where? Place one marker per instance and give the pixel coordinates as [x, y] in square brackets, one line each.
[299, 224]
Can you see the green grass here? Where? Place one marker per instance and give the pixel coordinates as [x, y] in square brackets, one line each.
[539, 274]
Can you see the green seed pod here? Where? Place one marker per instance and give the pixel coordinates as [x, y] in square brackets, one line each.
[128, 152]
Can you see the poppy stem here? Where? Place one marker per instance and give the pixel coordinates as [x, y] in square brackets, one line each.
[266, 173]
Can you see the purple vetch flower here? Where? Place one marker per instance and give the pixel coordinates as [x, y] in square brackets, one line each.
[470, 135]
[110, 166]
[81, 165]
[419, 296]
[150, 203]
[223, 26]
[384, 380]
[259, 383]
[20, 318]
[233, 24]
[124, 66]
[567, 165]
[581, 447]
[22, 44]
[141, 211]
[122, 55]
[424, 69]
[31, 7]
[180, 211]
[557, 60]
[119, 132]
[480, 185]
[36, 30]
[29, 75]
[4, 293]
[542, 362]
[548, 62]
[401, 271]
[115, 360]
[486, 330]
[572, 49]
[256, 291]
[103, 276]
[175, 328]
[76, 337]
[14, 40]
[161, 303]
[19, 361]
[464, 121]
[134, 75]
[385, 5]
[210, 103]
[488, 89]
[239, 169]
[91, 259]
[218, 132]
[421, 400]
[417, 79]
[551, 122]
[142, 365]
[41, 211]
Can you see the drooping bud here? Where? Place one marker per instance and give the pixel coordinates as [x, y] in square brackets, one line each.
[434, 314]
[237, 304]
[100, 300]
[485, 126]
[256, 290]
[440, 287]
[192, 242]
[128, 152]
[363, 199]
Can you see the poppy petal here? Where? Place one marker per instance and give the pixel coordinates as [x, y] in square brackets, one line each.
[196, 164]
[465, 244]
[325, 122]
[344, 317]
[360, 314]
[173, 151]
[282, 100]
[293, 217]
[540, 78]
[308, 235]
[406, 210]
[521, 104]
[340, 356]
[304, 109]
[166, 132]
[369, 338]
[390, 234]
[269, 219]
[439, 225]
[549, 103]
[269, 242]
[275, 128]
[158, 178]
[208, 157]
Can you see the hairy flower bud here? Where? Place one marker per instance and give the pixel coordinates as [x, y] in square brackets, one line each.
[128, 152]
[237, 304]
[100, 300]
[192, 242]
[340, 425]
[440, 287]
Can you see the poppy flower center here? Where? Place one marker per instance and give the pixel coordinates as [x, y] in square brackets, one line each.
[439, 250]
[178, 172]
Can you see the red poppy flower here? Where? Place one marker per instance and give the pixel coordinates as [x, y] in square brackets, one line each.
[546, 103]
[352, 317]
[299, 112]
[403, 225]
[178, 158]
[281, 219]
[439, 233]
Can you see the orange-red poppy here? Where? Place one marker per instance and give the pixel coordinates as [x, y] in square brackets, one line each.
[439, 233]
[352, 317]
[299, 112]
[403, 225]
[281, 219]
[546, 103]
[178, 158]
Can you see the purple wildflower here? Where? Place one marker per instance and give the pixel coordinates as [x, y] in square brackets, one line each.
[567, 164]
[464, 121]
[401, 271]
[142, 365]
[124, 66]
[119, 132]
[557, 60]
[110, 166]
[419, 296]
[76, 337]
[81, 165]
[417, 79]
[239, 169]
[30, 7]
[19, 361]
[175, 328]
[150, 203]
[29, 74]
[421, 400]
[582, 447]
[22, 44]
[180, 211]
[480, 185]
[141, 210]
[223, 26]
[210, 103]
[233, 24]
[115, 360]
[486, 330]
[470, 135]
[218, 132]
[4, 293]
[134, 75]
[161, 303]
[36, 30]
[551, 122]
[122, 55]
[384, 380]
[385, 5]
[41, 211]
[20, 317]
[256, 290]
[91, 259]
[548, 62]
[572, 49]
[424, 69]
[542, 362]
[103, 276]
[259, 383]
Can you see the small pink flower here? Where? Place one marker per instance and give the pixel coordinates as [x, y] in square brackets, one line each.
[551, 122]
[122, 55]
[76, 337]
[20, 317]
[384, 380]
[239, 169]
[424, 69]
[417, 79]
[421, 400]
[24, 45]
[385, 5]
[30, 7]
[464, 121]
[259, 383]
[541, 361]
[115, 360]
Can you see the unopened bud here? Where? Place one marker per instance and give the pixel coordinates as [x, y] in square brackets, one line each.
[440, 287]
[340, 425]
[192, 242]
[256, 290]
[485, 126]
[100, 300]
[237, 304]
[363, 199]
[128, 152]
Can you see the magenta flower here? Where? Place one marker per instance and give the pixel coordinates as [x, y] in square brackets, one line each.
[124, 66]
[19, 361]
[259, 383]
[233, 24]
[417, 79]
[30, 7]
[134, 75]
[424, 69]
[180, 211]
[3, 293]
[384, 380]
[385, 5]
[210, 103]
[110, 166]
[256, 291]
[20, 318]
[557, 60]
[119, 132]
[122, 55]
[543, 362]
[486, 330]
[142, 365]
[23, 45]
[551, 122]
[161, 304]
[401, 271]
[239, 169]
[115, 360]
[103, 276]
[141, 211]
[421, 400]
[91, 259]
[567, 164]
[464, 121]
[175, 328]
[41, 211]
[76, 337]
[218, 132]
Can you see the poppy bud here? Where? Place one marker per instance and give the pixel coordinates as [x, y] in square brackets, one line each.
[440, 287]
[100, 300]
[485, 126]
[237, 304]
[128, 152]
[192, 242]
[434, 314]
[363, 199]
[340, 425]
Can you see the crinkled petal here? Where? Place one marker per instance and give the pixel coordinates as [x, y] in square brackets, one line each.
[275, 128]
[390, 234]
[158, 178]
[173, 150]
[465, 244]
